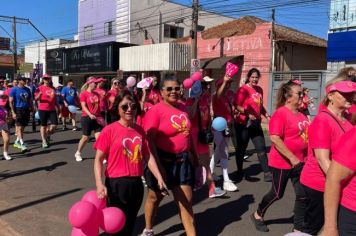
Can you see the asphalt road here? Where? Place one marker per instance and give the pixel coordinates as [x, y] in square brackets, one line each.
[38, 188]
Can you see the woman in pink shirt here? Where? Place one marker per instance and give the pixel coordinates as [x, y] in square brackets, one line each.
[169, 133]
[116, 87]
[288, 130]
[340, 189]
[145, 105]
[325, 131]
[45, 95]
[250, 109]
[91, 115]
[222, 107]
[125, 147]
[100, 90]
[154, 96]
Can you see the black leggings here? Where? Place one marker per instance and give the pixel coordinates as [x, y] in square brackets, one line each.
[314, 214]
[125, 193]
[279, 182]
[346, 222]
[243, 135]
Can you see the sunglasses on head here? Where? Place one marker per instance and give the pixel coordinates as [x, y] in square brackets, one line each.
[170, 89]
[125, 107]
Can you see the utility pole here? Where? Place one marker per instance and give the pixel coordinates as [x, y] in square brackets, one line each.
[14, 46]
[194, 29]
[273, 42]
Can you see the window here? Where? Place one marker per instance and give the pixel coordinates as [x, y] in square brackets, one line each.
[109, 28]
[88, 32]
[171, 31]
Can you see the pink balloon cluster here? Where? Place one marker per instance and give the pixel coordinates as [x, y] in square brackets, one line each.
[196, 76]
[90, 213]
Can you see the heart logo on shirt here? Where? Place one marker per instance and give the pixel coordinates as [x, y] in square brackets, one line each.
[132, 148]
[180, 123]
[24, 96]
[303, 130]
[93, 99]
[71, 92]
[50, 93]
[257, 98]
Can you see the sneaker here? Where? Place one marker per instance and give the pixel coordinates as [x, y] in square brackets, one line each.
[218, 192]
[147, 232]
[268, 177]
[7, 157]
[23, 147]
[75, 128]
[64, 128]
[229, 186]
[260, 225]
[17, 144]
[78, 157]
[45, 145]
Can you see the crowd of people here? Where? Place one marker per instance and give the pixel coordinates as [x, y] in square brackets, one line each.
[158, 133]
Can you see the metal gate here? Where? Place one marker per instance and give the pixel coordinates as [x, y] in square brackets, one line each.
[314, 80]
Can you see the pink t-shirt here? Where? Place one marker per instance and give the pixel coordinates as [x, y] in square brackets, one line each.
[4, 97]
[154, 97]
[293, 130]
[324, 133]
[222, 106]
[251, 99]
[140, 118]
[91, 100]
[345, 155]
[171, 126]
[47, 101]
[102, 101]
[124, 148]
[111, 93]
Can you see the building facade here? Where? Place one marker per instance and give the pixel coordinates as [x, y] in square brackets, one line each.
[137, 21]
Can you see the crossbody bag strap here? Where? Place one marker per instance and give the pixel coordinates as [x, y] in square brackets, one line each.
[335, 120]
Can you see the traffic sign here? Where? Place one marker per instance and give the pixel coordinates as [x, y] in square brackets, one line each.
[194, 65]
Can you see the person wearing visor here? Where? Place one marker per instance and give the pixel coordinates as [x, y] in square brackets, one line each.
[324, 133]
[91, 115]
[45, 95]
[21, 105]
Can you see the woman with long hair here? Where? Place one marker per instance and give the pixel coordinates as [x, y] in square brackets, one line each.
[169, 134]
[91, 119]
[324, 132]
[116, 87]
[250, 109]
[288, 130]
[125, 147]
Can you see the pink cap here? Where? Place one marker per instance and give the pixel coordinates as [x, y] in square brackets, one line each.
[91, 80]
[297, 81]
[342, 86]
[101, 79]
[46, 76]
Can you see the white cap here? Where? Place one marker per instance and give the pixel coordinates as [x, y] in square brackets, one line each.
[207, 79]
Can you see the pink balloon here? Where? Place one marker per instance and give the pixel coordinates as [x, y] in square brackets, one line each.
[196, 76]
[91, 230]
[130, 81]
[82, 213]
[113, 220]
[188, 83]
[93, 198]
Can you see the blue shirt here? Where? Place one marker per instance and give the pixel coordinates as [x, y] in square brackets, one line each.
[70, 95]
[22, 97]
[59, 97]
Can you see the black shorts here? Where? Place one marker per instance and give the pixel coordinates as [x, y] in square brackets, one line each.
[346, 222]
[179, 170]
[22, 116]
[89, 125]
[48, 115]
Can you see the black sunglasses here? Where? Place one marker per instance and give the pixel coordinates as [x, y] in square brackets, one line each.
[125, 107]
[170, 89]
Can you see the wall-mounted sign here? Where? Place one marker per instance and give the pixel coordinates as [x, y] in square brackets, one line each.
[54, 58]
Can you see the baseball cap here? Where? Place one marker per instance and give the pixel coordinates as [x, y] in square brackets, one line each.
[207, 79]
[342, 86]
[296, 81]
[101, 79]
[91, 80]
[46, 76]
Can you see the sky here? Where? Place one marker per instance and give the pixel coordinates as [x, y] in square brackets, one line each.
[59, 17]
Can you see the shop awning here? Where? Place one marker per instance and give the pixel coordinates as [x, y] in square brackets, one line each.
[215, 63]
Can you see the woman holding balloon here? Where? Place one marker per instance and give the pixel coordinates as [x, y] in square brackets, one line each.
[222, 107]
[123, 186]
[250, 109]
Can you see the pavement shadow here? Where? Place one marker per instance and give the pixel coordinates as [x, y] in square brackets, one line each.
[32, 203]
[288, 220]
[43, 151]
[48, 168]
[69, 141]
[229, 212]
